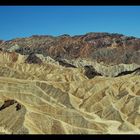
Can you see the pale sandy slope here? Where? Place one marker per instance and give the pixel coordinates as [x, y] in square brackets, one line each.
[62, 100]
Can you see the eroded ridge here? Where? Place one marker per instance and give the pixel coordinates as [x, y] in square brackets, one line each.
[49, 98]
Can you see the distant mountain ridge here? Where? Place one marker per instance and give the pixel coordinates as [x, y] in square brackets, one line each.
[102, 47]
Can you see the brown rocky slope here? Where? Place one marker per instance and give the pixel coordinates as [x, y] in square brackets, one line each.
[102, 47]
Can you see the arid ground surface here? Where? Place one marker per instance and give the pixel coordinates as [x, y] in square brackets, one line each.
[88, 84]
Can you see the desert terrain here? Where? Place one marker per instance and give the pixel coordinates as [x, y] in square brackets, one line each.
[85, 84]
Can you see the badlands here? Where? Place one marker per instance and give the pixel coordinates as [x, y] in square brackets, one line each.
[88, 84]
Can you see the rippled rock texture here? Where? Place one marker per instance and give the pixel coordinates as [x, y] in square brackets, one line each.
[75, 94]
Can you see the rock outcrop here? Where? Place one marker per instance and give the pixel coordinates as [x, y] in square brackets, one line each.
[136, 71]
[8, 103]
[33, 59]
[64, 63]
[90, 72]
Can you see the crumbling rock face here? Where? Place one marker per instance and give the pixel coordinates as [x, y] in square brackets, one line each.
[90, 72]
[33, 59]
